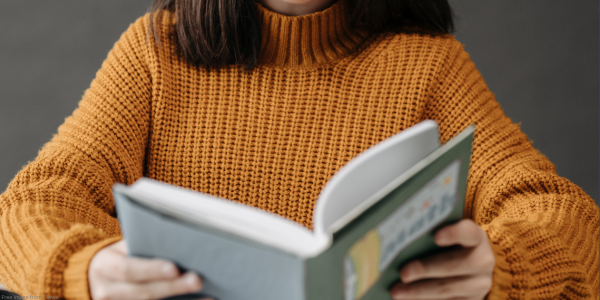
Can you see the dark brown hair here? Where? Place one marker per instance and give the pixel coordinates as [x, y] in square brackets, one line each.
[214, 33]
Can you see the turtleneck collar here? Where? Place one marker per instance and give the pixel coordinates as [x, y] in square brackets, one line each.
[313, 39]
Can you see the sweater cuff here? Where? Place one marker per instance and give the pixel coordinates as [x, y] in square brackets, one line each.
[510, 280]
[76, 273]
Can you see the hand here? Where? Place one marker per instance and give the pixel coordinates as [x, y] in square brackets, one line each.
[113, 275]
[464, 273]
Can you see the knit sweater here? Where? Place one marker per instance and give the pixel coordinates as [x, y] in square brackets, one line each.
[272, 137]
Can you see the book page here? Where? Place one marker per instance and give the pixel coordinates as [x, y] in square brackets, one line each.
[352, 189]
[225, 215]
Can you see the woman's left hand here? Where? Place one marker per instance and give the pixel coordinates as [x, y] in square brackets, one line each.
[463, 273]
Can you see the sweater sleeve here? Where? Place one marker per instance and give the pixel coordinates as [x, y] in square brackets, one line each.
[59, 211]
[543, 229]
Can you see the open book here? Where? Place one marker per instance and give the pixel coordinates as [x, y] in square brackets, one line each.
[374, 214]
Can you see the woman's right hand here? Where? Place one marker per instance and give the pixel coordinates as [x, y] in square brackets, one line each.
[113, 275]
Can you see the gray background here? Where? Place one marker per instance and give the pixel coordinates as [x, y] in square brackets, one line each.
[540, 58]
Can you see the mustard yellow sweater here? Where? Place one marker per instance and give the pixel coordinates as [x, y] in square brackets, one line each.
[271, 138]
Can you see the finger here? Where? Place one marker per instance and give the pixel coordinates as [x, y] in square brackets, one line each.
[138, 270]
[185, 284]
[120, 247]
[460, 262]
[453, 298]
[447, 264]
[443, 288]
[465, 233]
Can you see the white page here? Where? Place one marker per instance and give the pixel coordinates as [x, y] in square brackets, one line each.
[235, 218]
[350, 191]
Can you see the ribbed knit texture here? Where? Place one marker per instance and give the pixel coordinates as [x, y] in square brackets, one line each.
[272, 137]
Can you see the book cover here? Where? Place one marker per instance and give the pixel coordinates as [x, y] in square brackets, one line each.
[356, 249]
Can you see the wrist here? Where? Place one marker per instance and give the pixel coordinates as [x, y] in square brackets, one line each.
[76, 284]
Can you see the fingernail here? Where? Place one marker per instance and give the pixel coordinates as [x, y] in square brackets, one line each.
[169, 270]
[193, 281]
[409, 271]
[442, 237]
[399, 291]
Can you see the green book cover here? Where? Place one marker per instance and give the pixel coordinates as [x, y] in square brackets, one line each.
[366, 255]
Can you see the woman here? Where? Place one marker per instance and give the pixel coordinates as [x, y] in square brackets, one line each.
[261, 103]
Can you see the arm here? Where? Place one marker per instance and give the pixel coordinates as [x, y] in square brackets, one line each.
[543, 229]
[59, 211]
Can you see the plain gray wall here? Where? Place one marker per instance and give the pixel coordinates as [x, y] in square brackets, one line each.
[540, 58]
